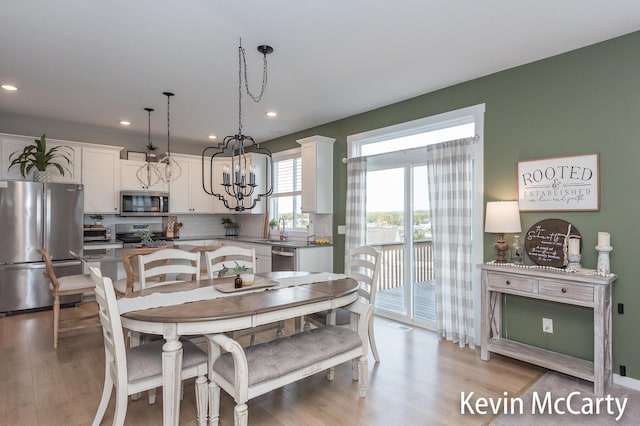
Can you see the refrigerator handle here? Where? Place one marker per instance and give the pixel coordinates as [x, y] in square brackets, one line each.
[47, 218]
[39, 217]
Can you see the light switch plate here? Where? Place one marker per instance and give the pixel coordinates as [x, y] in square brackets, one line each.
[342, 229]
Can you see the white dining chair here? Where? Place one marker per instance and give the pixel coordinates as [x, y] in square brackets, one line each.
[131, 282]
[162, 267]
[133, 370]
[201, 250]
[65, 286]
[167, 263]
[228, 256]
[363, 265]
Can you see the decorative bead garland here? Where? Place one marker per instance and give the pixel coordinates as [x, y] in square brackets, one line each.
[542, 267]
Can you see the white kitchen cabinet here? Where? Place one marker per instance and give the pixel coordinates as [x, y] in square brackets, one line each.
[129, 177]
[263, 258]
[317, 174]
[315, 259]
[186, 194]
[261, 173]
[14, 143]
[101, 178]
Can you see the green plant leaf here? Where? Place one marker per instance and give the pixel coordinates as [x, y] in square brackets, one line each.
[36, 155]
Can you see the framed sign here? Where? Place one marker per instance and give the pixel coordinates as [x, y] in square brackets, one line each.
[560, 183]
[546, 242]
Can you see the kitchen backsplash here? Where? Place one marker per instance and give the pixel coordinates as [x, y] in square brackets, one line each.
[193, 225]
[208, 225]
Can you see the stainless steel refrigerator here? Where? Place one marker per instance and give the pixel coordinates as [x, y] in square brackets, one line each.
[36, 215]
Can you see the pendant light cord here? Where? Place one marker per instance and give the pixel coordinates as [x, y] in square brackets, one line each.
[168, 95]
[242, 65]
[150, 146]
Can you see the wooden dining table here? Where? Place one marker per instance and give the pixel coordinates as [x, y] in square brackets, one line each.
[234, 311]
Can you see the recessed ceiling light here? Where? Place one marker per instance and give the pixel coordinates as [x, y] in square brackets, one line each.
[213, 137]
[271, 114]
[9, 87]
[125, 123]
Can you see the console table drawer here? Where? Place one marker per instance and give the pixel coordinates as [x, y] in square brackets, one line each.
[565, 290]
[510, 282]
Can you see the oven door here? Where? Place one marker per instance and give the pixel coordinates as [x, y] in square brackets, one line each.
[283, 259]
[144, 203]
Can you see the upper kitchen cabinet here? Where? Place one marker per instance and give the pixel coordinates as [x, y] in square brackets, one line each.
[129, 177]
[13, 143]
[101, 178]
[317, 174]
[259, 161]
[186, 194]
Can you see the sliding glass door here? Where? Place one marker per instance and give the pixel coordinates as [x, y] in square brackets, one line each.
[398, 225]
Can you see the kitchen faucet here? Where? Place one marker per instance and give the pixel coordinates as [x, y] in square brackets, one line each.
[281, 225]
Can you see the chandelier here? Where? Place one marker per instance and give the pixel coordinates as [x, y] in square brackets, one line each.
[172, 170]
[148, 174]
[239, 175]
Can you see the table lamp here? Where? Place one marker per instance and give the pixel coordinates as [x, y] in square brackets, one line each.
[502, 217]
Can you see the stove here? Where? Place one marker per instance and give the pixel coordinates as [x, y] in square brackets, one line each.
[126, 232]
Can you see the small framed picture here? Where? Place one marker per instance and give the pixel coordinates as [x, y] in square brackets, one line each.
[135, 155]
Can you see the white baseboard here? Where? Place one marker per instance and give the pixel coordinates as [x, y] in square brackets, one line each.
[627, 382]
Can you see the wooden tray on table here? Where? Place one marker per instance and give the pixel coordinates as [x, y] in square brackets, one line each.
[227, 285]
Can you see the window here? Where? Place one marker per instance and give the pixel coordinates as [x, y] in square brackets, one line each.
[286, 199]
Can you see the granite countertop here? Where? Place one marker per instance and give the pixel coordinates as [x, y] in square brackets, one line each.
[256, 240]
[244, 239]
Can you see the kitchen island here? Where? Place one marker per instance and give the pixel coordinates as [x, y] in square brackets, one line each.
[304, 257]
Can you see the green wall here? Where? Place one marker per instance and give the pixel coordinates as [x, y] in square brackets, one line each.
[584, 101]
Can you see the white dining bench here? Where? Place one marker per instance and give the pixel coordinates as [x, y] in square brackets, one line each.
[245, 373]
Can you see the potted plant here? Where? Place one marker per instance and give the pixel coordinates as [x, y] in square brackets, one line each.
[273, 224]
[145, 235]
[37, 156]
[97, 219]
[230, 228]
[242, 277]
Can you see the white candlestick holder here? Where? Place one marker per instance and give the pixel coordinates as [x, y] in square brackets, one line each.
[603, 259]
[574, 262]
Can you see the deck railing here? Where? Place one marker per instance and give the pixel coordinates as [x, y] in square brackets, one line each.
[392, 263]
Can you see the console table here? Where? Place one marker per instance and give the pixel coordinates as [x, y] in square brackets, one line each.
[592, 291]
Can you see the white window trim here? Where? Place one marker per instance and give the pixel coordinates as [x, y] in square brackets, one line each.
[285, 155]
[282, 156]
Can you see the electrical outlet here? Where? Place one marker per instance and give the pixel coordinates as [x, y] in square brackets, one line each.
[547, 325]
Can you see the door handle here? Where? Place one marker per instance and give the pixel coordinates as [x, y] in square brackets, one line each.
[282, 253]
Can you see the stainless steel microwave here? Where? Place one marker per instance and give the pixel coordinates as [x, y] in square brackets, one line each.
[144, 203]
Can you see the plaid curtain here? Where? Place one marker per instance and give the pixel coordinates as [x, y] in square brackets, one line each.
[449, 168]
[356, 211]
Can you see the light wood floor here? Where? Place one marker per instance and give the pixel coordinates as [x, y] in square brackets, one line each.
[418, 382]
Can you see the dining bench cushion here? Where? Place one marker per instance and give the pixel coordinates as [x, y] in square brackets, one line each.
[146, 360]
[274, 359]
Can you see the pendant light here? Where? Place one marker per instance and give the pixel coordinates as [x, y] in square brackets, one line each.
[239, 180]
[171, 170]
[148, 174]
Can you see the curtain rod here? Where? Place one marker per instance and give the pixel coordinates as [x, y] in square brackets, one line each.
[475, 138]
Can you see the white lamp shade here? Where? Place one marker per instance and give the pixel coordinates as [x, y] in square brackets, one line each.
[502, 217]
